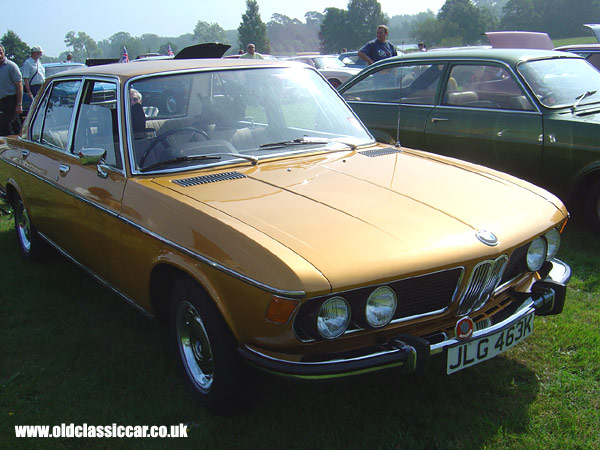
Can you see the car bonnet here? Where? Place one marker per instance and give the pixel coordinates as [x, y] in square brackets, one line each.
[359, 217]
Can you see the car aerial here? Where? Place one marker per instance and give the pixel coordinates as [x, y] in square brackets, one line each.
[263, 222]
[532, 113]
[334, 70]
[351, 59]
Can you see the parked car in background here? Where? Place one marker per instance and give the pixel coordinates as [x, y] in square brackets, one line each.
[334, 70]
[542, 41]
[351, 59]
[532, 113]
[262, 221]
[591, 52]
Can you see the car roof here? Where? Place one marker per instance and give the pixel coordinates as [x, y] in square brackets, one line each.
[130, 70]
[60, 64]
[509, 55]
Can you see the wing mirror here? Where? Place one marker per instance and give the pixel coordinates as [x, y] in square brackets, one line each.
[91, 155]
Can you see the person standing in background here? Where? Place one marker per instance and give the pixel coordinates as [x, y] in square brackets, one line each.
[34, 73]
[11, 95]
[252, 53]
[379, 48]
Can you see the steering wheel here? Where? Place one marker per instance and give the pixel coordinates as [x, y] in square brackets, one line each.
[162, 139]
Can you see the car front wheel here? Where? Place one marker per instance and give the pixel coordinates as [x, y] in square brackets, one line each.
[206, 348]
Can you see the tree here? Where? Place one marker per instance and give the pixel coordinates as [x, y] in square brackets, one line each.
[314, 20]
[462, 20]
[334, 34]
[252, 29]
[521, 15]
[14, 48]
[83, 46]
[364, 16]
[209, 32]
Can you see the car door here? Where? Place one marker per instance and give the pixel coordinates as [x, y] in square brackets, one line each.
[486, 117]
[78, 203]
[405, 91]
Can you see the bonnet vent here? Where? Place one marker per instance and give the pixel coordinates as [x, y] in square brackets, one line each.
[187, 182]
[380, 152]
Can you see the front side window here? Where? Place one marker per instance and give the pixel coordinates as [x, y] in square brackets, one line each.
[484, 86]
[406, 83]
[52, 122]
[97, 124]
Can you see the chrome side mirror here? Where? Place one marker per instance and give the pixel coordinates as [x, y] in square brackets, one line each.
[91, 155]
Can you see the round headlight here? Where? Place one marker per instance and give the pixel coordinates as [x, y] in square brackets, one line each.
[333, 318]
[536, 254]
[553, 240]
[381, 306]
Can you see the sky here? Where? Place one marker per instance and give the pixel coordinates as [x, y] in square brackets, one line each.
[46, 22]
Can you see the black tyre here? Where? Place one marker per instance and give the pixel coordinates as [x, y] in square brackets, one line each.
[206, 348]
[32, 246]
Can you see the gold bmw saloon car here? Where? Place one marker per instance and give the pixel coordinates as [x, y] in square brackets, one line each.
[244, 203]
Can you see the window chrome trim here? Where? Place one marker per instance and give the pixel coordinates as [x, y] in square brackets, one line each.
[83, 79]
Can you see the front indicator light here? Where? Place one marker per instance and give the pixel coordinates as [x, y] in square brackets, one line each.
[280, 309]
[333, 318]
[536, 254]
[381, 306]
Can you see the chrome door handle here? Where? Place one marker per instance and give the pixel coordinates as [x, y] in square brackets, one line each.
[24, 153]
[439, 119]
[64, 169]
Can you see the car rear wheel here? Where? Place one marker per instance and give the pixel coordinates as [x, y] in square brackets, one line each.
[206, 347]
[31, 244]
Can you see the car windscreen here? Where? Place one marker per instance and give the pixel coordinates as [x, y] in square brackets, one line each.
[209, 117]
[561, 82]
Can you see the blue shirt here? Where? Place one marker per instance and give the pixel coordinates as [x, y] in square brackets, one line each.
[377, 50]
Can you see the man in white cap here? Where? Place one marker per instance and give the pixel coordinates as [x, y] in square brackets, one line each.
[34, 73]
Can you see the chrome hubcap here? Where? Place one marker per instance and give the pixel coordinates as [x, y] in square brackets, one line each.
[24, 228]
[194, 346]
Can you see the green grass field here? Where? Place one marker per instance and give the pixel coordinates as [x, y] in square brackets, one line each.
[72, 352]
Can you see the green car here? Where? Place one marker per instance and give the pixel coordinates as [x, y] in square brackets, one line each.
[532, 113]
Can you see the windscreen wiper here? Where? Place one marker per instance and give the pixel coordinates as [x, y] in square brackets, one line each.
[580, 98]
[305, 141]
[252, 159]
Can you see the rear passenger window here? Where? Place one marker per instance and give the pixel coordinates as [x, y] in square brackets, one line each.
[97, 124]
[52, 128]
[484, 86]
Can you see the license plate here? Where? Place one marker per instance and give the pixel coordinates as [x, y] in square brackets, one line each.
[461, 356]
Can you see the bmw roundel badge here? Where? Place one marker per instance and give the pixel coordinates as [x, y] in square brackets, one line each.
[487, 237]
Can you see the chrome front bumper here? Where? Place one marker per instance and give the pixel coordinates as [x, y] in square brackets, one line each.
[411, 353]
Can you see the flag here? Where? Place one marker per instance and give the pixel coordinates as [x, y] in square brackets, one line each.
[124, 57]
[170, 52]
